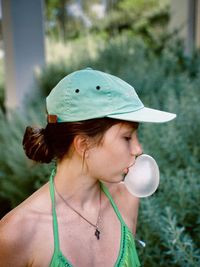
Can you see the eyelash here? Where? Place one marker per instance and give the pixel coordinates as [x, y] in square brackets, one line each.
[127, 138]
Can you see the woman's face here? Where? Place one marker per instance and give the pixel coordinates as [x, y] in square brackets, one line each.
[110, 160]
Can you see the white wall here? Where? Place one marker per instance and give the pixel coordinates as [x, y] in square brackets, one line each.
[23, 39]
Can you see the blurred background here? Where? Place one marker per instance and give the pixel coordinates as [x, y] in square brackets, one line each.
[153, 45]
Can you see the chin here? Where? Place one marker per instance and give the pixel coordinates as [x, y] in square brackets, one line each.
[115, 180]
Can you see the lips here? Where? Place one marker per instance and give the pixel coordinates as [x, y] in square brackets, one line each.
[126, 170]
[131, 164]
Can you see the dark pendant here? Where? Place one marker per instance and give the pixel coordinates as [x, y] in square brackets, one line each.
[97, 234]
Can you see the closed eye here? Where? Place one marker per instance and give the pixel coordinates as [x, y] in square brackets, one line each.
[127, 138]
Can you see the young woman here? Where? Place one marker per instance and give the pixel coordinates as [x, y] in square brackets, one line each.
[83, 216]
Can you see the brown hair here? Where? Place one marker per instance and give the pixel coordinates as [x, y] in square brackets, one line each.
[53, 142]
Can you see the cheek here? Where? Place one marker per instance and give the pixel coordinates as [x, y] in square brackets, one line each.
[100, 161]
[95, 158]
[115, 155]
[101, 157]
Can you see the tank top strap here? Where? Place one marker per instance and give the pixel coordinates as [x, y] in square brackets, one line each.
[55, 222]
[107, 193]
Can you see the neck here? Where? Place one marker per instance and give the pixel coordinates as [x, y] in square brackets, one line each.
[75, 185]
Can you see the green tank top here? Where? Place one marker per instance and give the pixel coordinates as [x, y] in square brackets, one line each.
[127, 256]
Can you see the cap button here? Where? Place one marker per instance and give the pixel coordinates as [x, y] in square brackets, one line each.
[88, 68]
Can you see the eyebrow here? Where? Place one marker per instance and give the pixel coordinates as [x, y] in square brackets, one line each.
[130, 131]
[133, 126]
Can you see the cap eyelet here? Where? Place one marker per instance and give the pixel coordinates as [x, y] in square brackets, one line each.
[77, 91]
[98, 87]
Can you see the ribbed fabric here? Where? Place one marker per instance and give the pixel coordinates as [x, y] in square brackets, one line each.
[127, 256]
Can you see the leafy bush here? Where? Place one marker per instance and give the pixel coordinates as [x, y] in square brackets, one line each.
[18, 177]
[169, 220]
[2, 96]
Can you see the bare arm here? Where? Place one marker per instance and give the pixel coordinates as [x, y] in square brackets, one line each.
[135, 207]
[12, 245]
[127, 203]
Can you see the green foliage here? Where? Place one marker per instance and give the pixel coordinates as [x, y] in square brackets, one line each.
[56, 72]
[169, 220]
[60, 24]
[18, 176]
[2, 96]
[148, 19]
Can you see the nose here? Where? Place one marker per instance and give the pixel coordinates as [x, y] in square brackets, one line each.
[136, 147]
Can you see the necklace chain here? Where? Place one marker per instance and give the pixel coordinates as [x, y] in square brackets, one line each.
[96, 226]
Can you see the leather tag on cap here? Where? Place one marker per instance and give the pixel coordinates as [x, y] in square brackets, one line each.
[52, 118]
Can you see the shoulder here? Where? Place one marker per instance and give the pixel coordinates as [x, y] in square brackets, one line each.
[17, 229]
[122, 196]
[12, 224]
[127, 204]
[13, 239]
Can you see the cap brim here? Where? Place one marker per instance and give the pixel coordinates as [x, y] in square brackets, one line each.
[145, 115]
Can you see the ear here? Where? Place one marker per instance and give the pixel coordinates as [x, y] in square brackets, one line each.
[81, 145]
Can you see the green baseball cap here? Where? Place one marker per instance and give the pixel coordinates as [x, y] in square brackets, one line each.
[89, 94]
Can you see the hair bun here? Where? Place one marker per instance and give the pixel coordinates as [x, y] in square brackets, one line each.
[35, 145]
